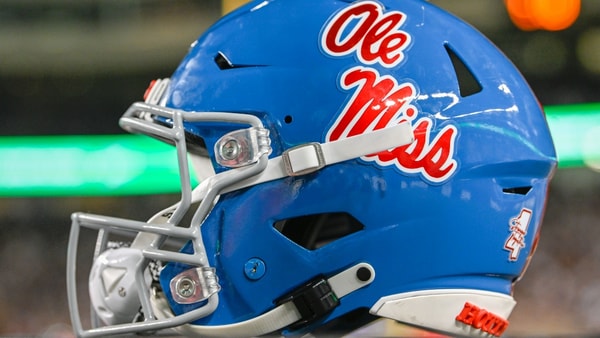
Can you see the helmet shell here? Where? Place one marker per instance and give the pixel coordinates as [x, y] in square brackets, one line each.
[439, 213]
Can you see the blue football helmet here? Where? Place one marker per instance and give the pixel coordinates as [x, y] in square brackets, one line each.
[356, 160]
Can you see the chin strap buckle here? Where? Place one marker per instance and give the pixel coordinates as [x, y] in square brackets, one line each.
[303, 159]
[313, 300]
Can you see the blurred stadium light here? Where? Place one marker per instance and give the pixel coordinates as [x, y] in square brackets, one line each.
[100, 165]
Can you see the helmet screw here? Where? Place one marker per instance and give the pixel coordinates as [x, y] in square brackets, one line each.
[186, 287]
[255, 268]
[230, 150]
[122, 292]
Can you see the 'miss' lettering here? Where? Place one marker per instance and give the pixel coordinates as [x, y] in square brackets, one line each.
[431, 158]
[364, 29]
[379, 102]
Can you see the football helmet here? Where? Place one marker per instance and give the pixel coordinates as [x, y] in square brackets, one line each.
[355, 160]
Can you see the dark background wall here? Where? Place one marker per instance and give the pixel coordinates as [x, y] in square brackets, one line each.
[73, 67]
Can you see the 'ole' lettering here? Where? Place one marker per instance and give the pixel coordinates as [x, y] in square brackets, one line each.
[364, 29]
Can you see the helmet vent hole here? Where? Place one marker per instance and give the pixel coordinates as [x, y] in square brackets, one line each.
[288, 119]
[517, 190]
[467, 82]
[223, 62]
[316, 231]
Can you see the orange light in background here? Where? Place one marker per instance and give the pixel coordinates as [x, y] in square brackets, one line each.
[550, 15]
[229, 5]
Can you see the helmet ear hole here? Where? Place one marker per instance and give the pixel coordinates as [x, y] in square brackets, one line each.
[315, 231]
[288, 119]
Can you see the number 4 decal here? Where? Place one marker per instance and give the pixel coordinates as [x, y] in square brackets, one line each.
[518, 228]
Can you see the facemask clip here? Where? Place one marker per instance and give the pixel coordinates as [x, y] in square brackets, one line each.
[194, 285]
[242, 147]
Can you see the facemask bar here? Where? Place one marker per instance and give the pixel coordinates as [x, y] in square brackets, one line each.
[135, 121]
[152, 234]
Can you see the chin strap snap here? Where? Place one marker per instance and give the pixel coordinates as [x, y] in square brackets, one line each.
[310, 302]
[313, 301]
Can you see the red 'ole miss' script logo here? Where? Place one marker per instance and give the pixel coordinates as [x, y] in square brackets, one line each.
[365, 31]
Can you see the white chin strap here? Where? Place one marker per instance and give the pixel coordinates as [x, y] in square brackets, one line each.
[276, 319]
[310, 157]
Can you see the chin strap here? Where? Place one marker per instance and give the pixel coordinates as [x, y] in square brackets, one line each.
[310, 157]
[310, 302]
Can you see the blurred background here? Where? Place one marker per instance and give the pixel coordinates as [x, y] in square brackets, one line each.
[72, 67]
